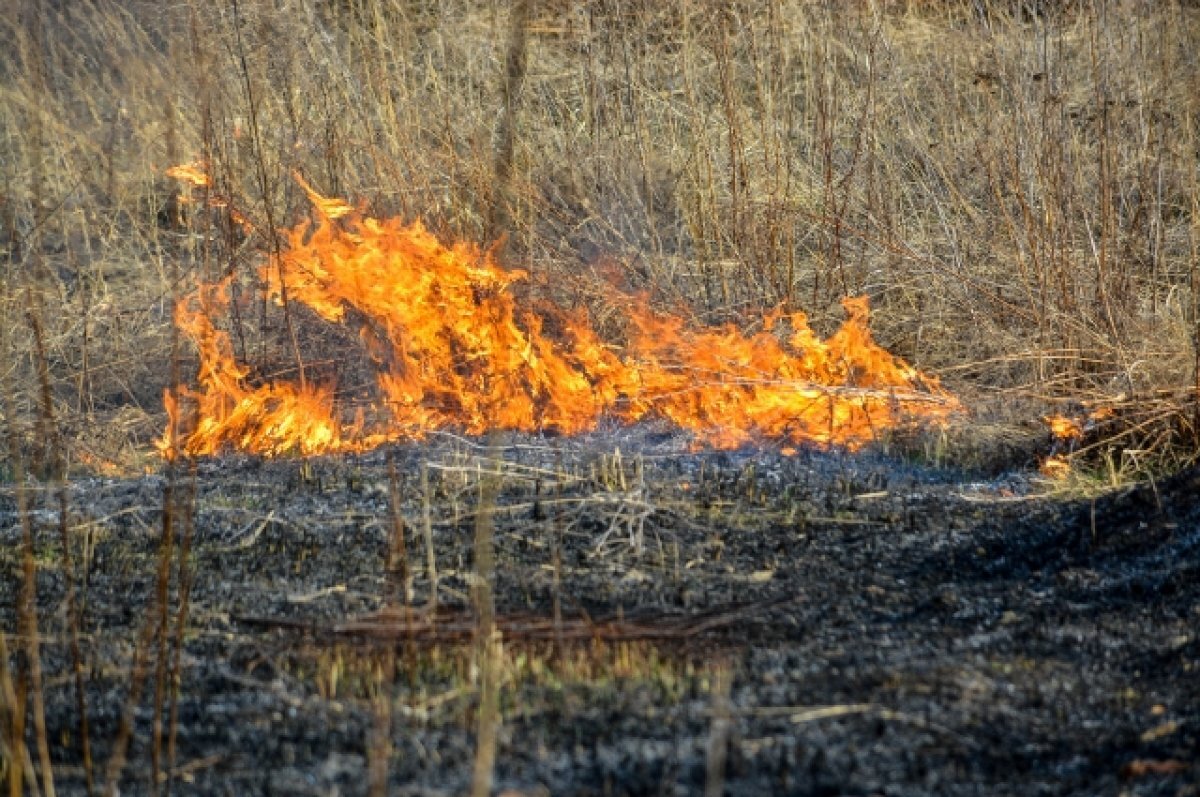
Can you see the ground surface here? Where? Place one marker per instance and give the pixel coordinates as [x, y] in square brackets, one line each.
[816, 625]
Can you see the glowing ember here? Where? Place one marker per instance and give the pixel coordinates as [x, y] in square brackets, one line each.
[1064, 428]
[98, 464]
[1055, 467]
[452, 350]
[1068, 434]
[1072, 430]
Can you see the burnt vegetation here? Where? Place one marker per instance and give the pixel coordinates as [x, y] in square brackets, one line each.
[1014, 187]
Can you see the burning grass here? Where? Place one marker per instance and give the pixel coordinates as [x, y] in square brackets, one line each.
[451, 348]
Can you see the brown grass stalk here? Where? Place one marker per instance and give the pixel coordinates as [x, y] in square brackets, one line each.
[188, 509]
[399, 580]
[14, 753]
[427, 532]
[720, 729]
[56, 468]
[153, 630]
[30, 681]
[163, 606]
[487, 642]
[379, 742]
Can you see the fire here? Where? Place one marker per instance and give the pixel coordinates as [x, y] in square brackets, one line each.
[1056, 467]
[1064, 428]
[1069, 433]
[99, 464]
[451, 349]
[194, 173]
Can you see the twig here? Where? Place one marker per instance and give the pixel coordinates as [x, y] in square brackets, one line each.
[427, 528]
[396, 567]
[181, 619]
[719, 731]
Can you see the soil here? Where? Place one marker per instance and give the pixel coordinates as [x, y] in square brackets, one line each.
[820, 624]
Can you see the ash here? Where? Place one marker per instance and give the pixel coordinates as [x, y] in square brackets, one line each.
[671, 621]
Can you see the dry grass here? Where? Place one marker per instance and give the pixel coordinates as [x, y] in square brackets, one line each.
[1016, 193]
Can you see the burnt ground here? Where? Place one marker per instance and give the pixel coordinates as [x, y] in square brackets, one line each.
[824, 624]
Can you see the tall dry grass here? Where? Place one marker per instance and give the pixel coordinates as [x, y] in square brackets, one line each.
[1016, 191]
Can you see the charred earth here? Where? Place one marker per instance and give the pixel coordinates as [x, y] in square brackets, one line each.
[820, 624]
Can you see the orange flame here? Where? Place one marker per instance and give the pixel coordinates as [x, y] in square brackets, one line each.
[452, 350]
[1064, 428]
[194, 173]
[1056, 467]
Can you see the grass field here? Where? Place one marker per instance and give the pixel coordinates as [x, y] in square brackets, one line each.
[1014, 185]
[1014, 188]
